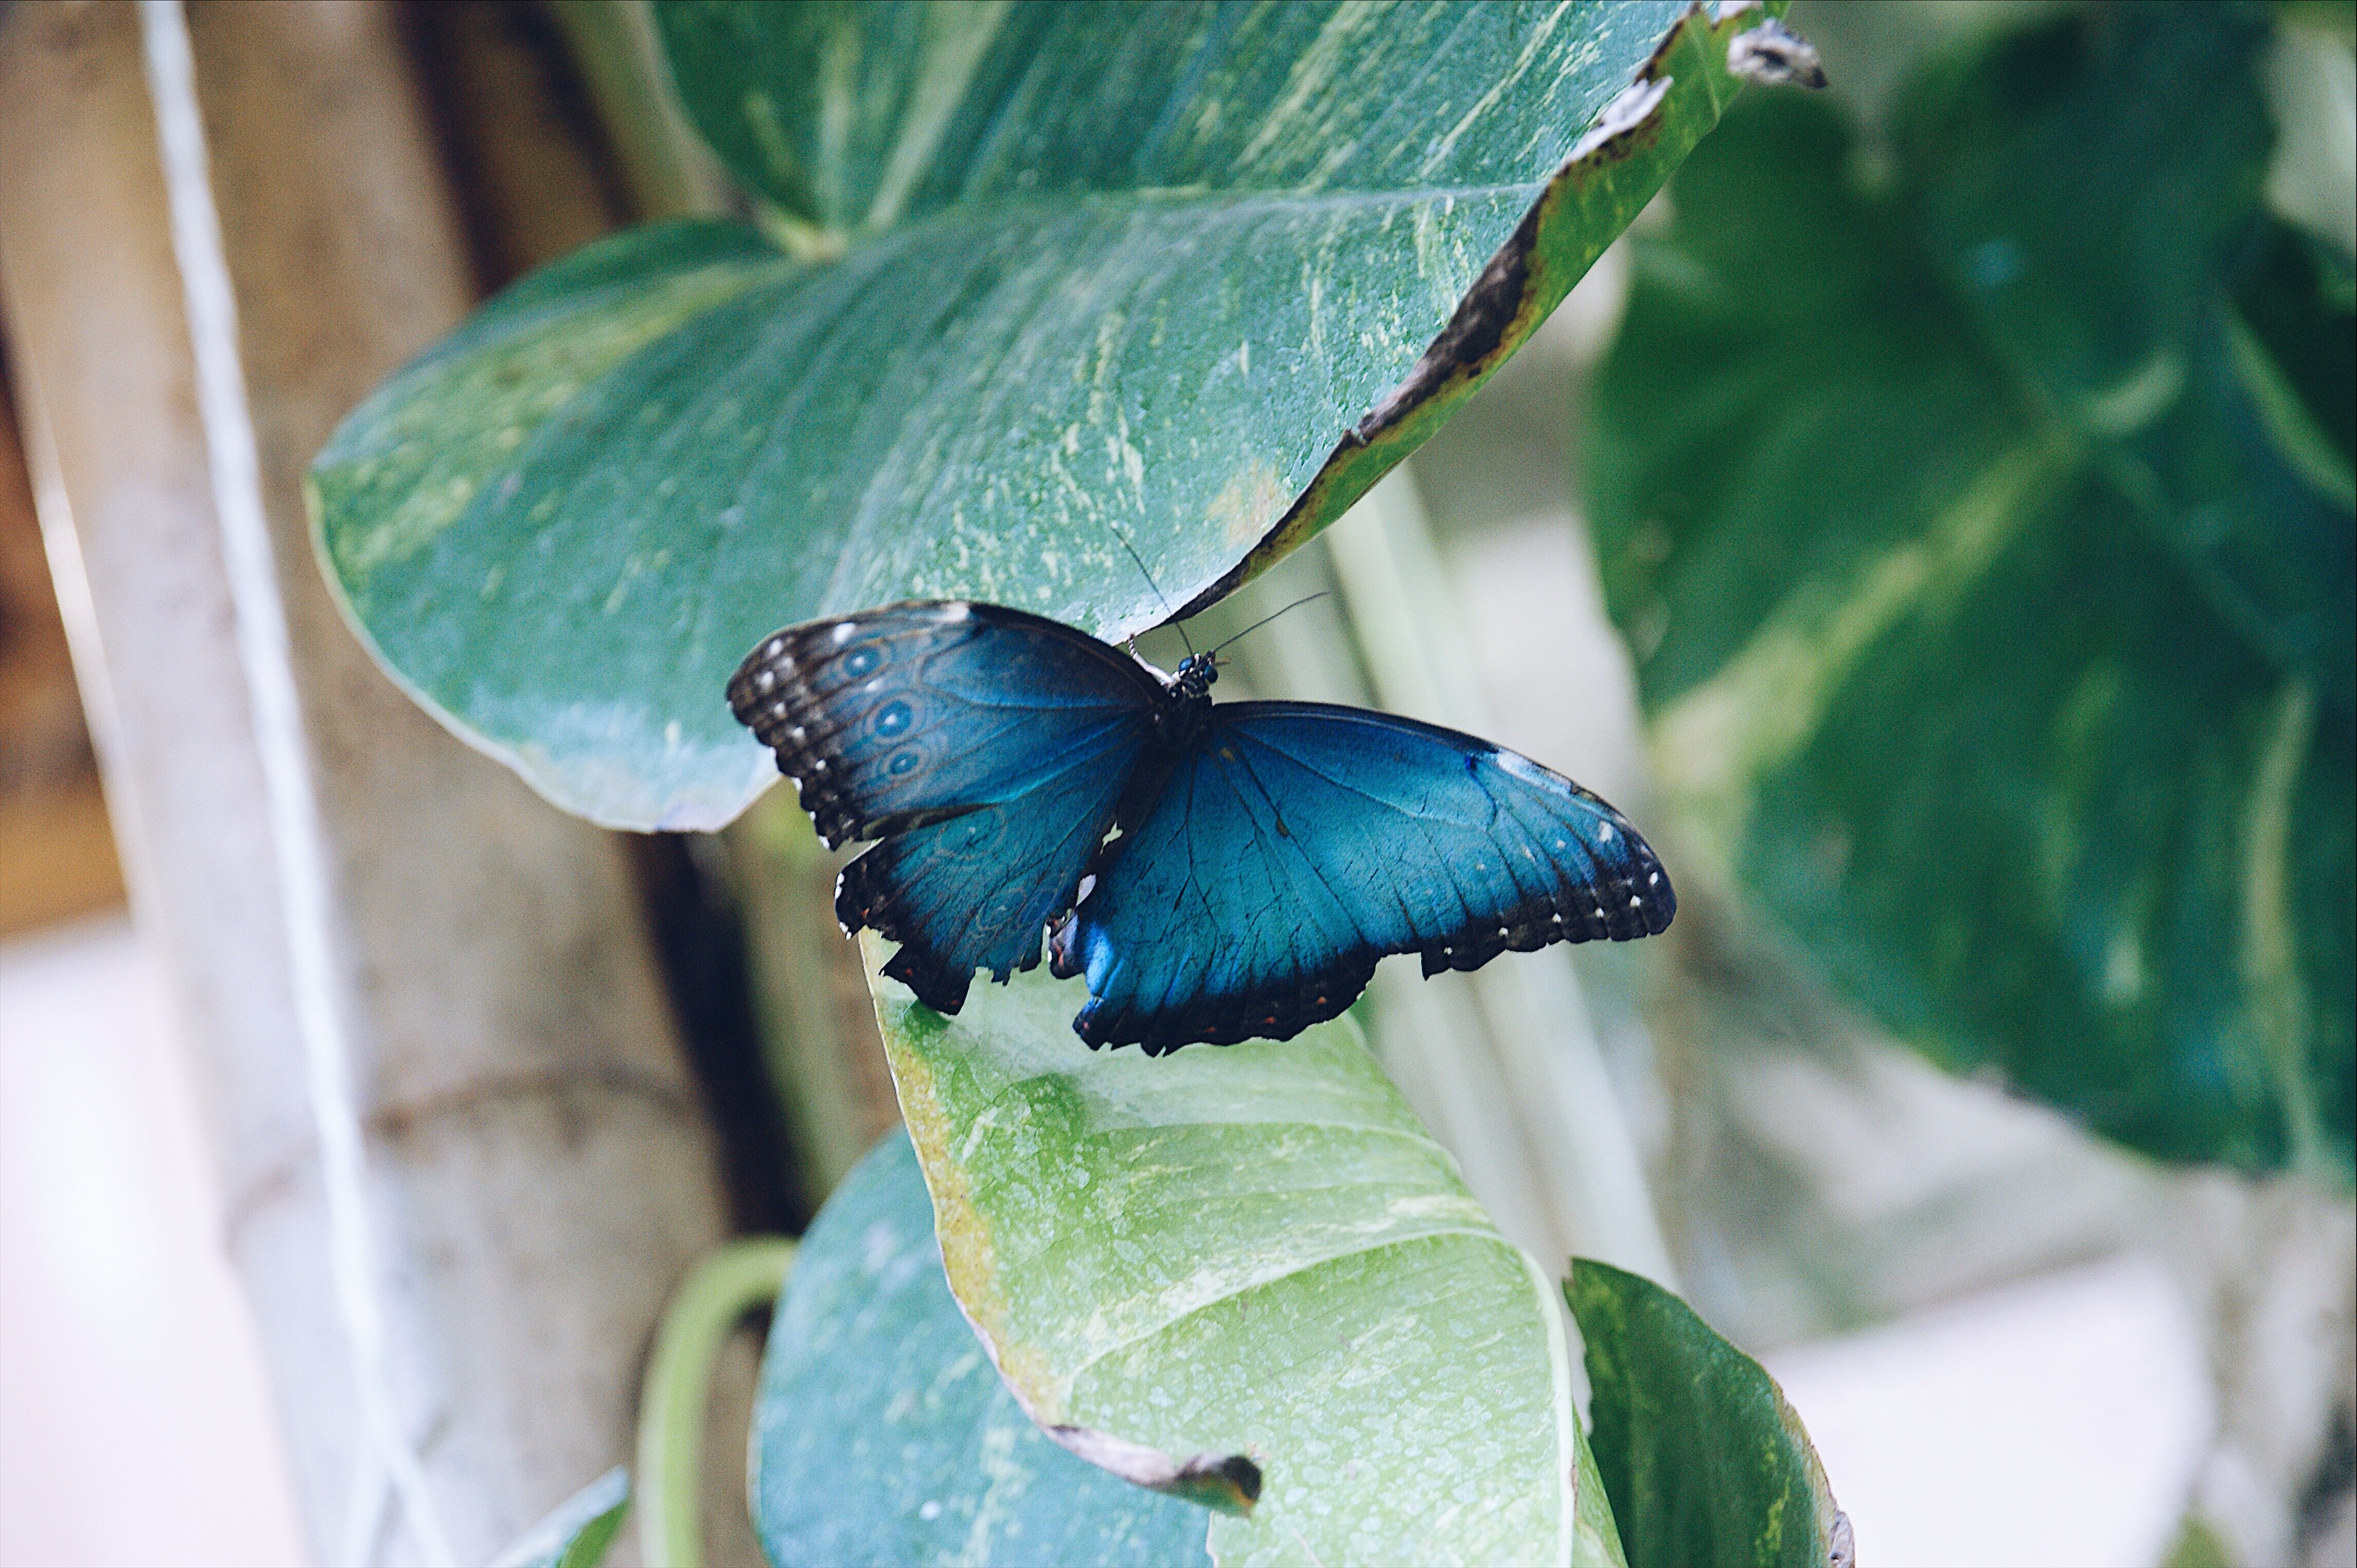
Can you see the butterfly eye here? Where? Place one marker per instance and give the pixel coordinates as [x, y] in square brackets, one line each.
[860, 661]
[893, 720]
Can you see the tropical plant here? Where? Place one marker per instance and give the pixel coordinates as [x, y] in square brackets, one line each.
[1100, 311]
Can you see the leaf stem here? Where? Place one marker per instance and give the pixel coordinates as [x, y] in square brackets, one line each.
[1583, 1167]
[2270, 955]
[703, 1313]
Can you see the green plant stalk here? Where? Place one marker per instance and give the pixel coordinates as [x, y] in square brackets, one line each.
[2270, 964]
[663, 165]
[1396, 587]
[1430, 1037]
[703, 1312]
[785, 885]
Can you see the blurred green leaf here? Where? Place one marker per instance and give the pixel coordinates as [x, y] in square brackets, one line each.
[1706, 1463]
[1993, 628]
[1247, 1268]
[580, 1528]
[883, 1435]
[1059, 281]
[2089, 192]
[2197, 1546]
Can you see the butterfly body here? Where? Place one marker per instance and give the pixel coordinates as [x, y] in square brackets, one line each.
[1186, 704]
[1218, 872]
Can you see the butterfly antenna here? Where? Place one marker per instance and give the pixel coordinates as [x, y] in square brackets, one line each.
[1150, 583]
[1274, 614]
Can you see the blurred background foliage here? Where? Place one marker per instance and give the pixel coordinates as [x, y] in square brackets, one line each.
[1972, 479]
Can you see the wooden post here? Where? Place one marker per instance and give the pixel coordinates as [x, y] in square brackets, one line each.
[539, 1168]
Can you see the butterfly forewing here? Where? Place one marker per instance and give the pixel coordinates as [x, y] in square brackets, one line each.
[903, 715]
[988, 748]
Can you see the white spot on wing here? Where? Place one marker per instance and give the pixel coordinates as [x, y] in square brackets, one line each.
[845, 630]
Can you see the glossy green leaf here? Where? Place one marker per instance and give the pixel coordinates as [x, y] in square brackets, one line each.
[1245, 1268]
[578, 1531]
[1975, 525]
[883, 1435]
[1063, 283]
[1706, 1463]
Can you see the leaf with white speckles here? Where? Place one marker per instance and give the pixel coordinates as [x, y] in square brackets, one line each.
[1184, 278]
[1252, 1254]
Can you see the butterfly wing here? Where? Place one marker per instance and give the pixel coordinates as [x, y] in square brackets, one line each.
[986, 747]
[1296, 844]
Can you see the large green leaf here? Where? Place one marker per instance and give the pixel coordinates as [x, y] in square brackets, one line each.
[1706, 1463]
[1064, 282]
[1976, 523]
[1247, 1270]
[883, 1435]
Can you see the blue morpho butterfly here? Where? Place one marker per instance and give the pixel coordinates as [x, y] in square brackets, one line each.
[1217, 872]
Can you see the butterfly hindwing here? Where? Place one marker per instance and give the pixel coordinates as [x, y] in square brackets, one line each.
[976, 891]
[986, 746]
[1295, 843]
